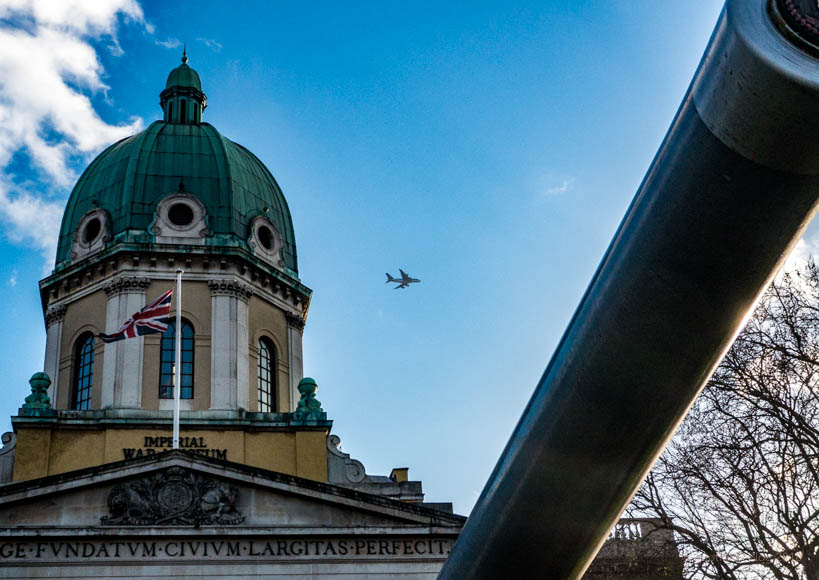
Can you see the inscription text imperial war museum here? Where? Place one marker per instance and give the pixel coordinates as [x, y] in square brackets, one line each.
[158, 443]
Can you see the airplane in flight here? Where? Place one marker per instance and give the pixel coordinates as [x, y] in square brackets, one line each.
[404, 281]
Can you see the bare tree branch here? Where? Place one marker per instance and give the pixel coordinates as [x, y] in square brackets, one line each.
[739, 483]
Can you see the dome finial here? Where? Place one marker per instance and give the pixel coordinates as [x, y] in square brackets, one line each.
[185, 53]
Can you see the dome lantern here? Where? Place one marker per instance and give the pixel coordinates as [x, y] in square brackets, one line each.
[183, 100]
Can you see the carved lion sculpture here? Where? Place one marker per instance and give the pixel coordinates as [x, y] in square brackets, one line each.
[219, 503]
[127, 503]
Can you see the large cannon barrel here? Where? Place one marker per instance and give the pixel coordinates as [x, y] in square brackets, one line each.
[732, 187]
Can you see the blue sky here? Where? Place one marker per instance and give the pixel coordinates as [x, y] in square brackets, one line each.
[489, 149]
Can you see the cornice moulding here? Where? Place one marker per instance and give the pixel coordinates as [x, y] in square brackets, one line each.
[126, 284]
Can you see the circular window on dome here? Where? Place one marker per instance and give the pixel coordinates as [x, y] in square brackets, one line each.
[92, 230]
[266, 240]
[180, 214]
[265, 237]
[91, 234]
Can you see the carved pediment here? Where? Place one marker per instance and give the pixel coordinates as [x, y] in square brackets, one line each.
[174, 497]
[179, 489]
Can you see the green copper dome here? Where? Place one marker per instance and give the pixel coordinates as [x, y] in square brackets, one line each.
[179, 156]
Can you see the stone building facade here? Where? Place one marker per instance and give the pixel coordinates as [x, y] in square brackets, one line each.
[259, 487]
[89, 484]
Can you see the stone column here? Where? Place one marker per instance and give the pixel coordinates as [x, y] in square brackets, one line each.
[122, 360]
[54, 317]
[229, 380]
[295, 330]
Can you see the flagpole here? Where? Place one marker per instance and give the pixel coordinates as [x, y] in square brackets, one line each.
[177, 379]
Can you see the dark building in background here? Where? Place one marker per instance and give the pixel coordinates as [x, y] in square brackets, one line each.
[637, 550]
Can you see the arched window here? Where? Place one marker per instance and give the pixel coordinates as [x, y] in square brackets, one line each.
[183, 113]
[168, 356]
[83, 372]
[267, 376]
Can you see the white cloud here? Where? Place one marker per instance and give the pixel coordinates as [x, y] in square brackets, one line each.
[30, 220]
[560, 189]
[48, 69]
[28, 214]
[80, 17]
[806, 247]
[170, 43]
[13, 278]
[211, 44]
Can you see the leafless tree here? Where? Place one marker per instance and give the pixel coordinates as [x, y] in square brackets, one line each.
[739, 483]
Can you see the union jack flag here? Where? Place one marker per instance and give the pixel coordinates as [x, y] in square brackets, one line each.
[150, 320]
